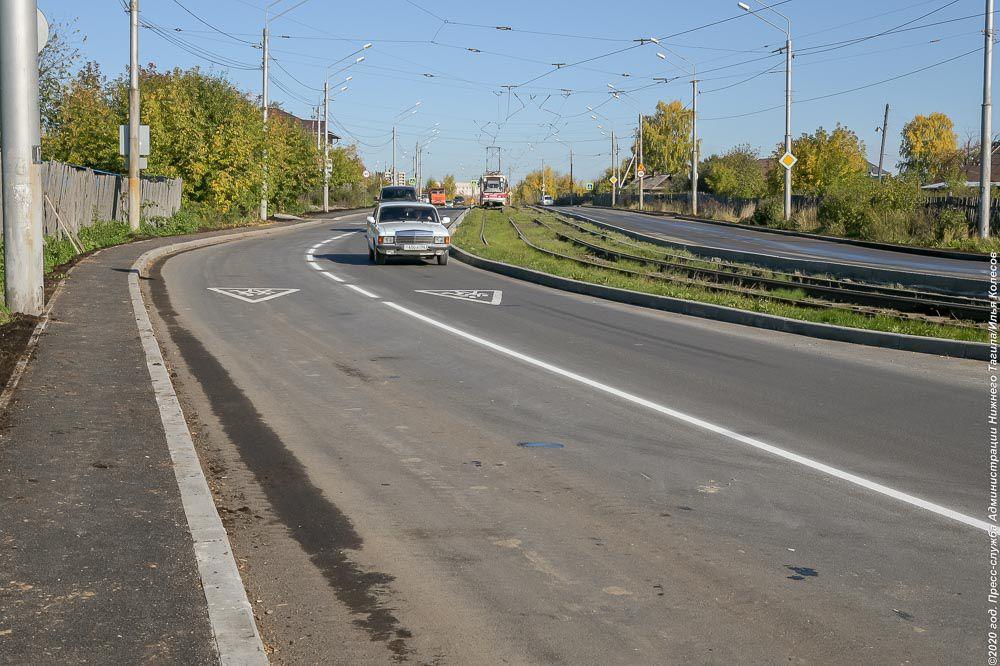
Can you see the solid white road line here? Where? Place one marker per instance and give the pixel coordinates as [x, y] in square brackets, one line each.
[315, 265]
[711, 427]
[332, 276]
[361, 291]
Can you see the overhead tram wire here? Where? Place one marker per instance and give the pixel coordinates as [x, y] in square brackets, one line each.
[197, 51]
[851, 90]
[206, 23]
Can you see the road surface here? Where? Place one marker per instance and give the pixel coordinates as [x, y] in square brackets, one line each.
[380, 425]
[794, 247]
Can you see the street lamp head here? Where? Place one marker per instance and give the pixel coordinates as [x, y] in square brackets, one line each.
[348, 79]
[661, 56]
[367, 46]
[359, 59]
[744, 6]
[343, 88]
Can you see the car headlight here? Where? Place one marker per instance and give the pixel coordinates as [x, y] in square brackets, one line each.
[386, 240]
[440, 239]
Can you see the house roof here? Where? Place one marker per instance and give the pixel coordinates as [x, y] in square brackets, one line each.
[308, 124]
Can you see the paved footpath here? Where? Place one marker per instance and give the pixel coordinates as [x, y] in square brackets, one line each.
[96, 559]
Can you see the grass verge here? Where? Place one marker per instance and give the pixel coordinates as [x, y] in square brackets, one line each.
[504, 245]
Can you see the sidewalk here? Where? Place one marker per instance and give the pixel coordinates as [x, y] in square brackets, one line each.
[96, 559]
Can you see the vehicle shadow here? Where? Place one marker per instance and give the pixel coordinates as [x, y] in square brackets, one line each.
[346, 229]
[345, 258]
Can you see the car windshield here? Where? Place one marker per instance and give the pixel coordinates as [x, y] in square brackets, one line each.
[407, 214]
[398, 194]
[494, 185]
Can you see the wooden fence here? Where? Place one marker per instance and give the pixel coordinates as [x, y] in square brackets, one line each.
[77, 197]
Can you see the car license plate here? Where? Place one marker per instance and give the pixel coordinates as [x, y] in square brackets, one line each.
[415, 247]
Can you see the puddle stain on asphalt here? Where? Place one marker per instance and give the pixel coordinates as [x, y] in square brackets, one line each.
[801, 573]
[323, 531]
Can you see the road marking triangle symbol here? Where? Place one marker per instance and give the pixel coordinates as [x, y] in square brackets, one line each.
[252, 294]
[486, 296]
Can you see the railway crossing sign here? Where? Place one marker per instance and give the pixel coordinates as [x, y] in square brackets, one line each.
[252, 294]
[788, 160]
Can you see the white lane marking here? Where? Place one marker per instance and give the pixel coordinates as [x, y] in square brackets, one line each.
[360, 290]
[487, 296]
[252, 294]
[314, 264]
[338, 237]
[711, 427]
[332, 276]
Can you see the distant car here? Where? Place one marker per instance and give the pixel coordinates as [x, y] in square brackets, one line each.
[547, 200]
[438, 196]
[398, 193]
[424, 198]
[449, 204]
[407, 229]
[459, 200]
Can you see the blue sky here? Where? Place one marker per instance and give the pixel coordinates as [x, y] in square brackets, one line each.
[450, 57]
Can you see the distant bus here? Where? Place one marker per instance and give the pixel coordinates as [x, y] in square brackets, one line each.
[438, 197]
[493, 190]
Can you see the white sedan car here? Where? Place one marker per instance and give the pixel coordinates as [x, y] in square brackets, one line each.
[407, 229]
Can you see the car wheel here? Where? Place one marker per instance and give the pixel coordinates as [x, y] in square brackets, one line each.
[379, 258]
[443, 259]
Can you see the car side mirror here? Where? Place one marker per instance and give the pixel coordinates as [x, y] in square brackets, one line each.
[371, 219]
[377, 199]
[446, 221]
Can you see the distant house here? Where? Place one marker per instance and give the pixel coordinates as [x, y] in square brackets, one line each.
[875, 172]
[310, 125]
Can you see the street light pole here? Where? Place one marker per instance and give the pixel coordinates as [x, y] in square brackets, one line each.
[264, 103]
[694, 146]
[326, 146]
[134, 184]
[643, 176]
[788, 92]
[614, 171]
[986, 136]
[21, 155]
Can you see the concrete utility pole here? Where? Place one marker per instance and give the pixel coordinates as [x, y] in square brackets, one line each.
[694, 146]
[643, 176]
[394, 155]
[881, 152]
[134, 184]
[788, 122]
[21, 148]
[986, 136]
[326, 147]
[571, 195]
[614, 170]
[264, 102]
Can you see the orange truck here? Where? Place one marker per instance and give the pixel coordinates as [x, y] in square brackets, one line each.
[438, 197]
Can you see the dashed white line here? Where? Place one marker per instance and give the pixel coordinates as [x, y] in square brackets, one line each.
[332, 276]
[706, 425]
[361, 291]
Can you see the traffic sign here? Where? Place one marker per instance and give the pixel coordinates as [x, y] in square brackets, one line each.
[613, 179]
[365, 173]
[640, 172]
[411, 181]
[590, 187]
[788, 160]
[42, 27]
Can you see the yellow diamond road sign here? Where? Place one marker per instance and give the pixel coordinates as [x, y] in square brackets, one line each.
[788, 160]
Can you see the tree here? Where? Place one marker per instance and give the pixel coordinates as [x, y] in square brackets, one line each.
[85, 128]
[56, 63]
[431, 184]
[449, 186]
[824, 159]
[930, 148]
[736, 173]
[666, 140]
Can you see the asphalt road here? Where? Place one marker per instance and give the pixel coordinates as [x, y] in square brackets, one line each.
[383, 424]
[794, 247]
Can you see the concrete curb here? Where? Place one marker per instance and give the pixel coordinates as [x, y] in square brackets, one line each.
[929, 281]
[875, 245]
[230, 613]
[937, 346]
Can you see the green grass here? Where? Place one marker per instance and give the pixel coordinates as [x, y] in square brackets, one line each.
[190, 219]
[505, 246]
